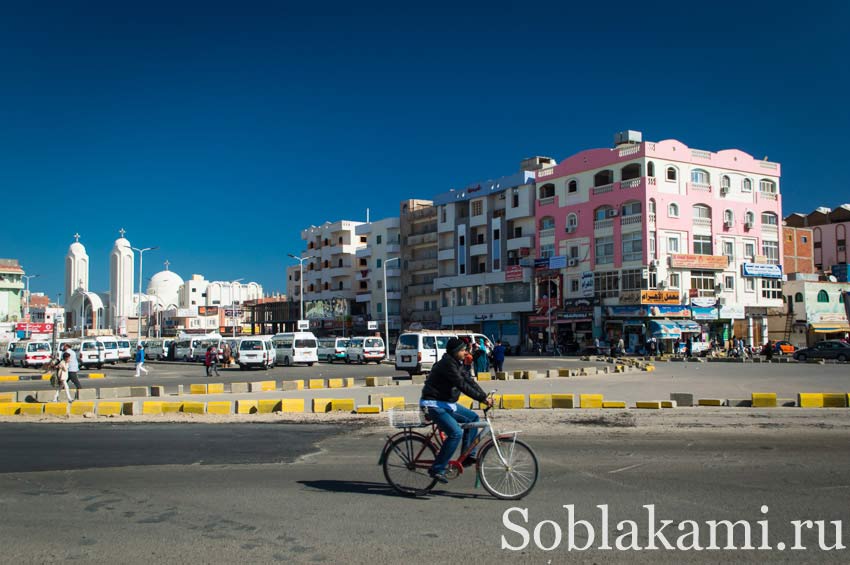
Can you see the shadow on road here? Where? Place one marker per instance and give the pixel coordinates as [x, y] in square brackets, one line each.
[383, 489]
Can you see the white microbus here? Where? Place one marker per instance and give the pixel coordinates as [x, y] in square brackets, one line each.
[296, 347]
[255, 351]
[90, 353]
[125, 350]
[110, 348]
[365, 349]
[153, 348]
[332, 349]
[416, 352]
[6, 348]
[31, 353]
[189, 348]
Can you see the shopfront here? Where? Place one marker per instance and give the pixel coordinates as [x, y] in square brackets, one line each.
[575, 323]
[632, 322]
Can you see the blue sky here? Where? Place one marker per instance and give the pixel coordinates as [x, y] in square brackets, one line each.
[217, 130]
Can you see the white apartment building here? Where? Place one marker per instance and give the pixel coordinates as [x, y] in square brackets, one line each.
[382, 245]
[419, 302]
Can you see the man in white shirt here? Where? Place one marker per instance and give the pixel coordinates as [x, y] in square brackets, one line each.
[73, 368]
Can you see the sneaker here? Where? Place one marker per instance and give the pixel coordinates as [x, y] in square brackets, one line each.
[470, 462]
[440, 477]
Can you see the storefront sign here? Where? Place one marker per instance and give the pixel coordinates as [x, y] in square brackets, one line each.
[34, 328]
[704, 302]
[576, 309]
[587, 284]
[207, 310]
[764, 270]
[659, 297]
[541, 264]
[685, 261]
[513, 273]
[732, 312]
[630, 297]
[647, 311]
[704, 312]
[558, 262]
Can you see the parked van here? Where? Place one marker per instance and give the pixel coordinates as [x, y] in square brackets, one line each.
[166, 348]
[110, 347]
[153, 348]
[6, 348]
[332, 349]
[189, 348]
[90, 353]
[31, 353]
[364, 350]
[255, 352]
[416, 352]
[296, 347]
[125, 349]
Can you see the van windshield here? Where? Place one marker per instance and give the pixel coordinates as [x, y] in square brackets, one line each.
[123, 344]
[342, 343]
[89, 346]
[305, 343]
[110, 345]
[39, 347]
[251, 346]
[442, 341]
[406, 342]
[374, 342]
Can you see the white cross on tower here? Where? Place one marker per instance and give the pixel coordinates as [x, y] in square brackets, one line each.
[77, 237]
[122, 231]
[167, 263]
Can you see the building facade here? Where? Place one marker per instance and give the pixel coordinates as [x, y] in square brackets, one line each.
[814, 310]
[659, 232]
[829, 234]
[797, 250]
[11, 290]
[418, 230]
[373, 272]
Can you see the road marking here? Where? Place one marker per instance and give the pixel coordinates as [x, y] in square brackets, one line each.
[635, 466]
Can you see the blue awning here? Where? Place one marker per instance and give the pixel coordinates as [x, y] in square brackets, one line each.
[664, 329]
[689, 326]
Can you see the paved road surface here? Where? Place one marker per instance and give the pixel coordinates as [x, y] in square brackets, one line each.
[276, 493]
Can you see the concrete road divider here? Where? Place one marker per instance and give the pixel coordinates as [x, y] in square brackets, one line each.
[379, 381]
[87, 394]
[8, 397]
[368, 409]
[97, 375]
[668, 404]
[215, 388]
[518, 375]
[554, 373]
[764, 400]
[56, 409]
[268, 406]
[590, 401]
[198, 389]
[513, 401]
[314, 384]
[810, 400]
[541, 401]
[151, 408]
[195, 407]
[563, 401]
[564, 372]
[108, 408]
[292, 385]
[388, 402]
[322, 405]
[220, 407]
[172, 407]
[80, 408]
[613, 404]
[342, 405]
[834, 400]
[465, 401]
[292, 405]
[116, 392]
[46, 376]
[239, 388]
[158, 391]
[10, 408]
[682, 398]
[45, 395]
[247, 407]
[129, 408]
[711, 402]
[32, 409]
[648, 404]
[503, 376]
[9, 378]
[529, 375]
[484, 376]
[139, 391]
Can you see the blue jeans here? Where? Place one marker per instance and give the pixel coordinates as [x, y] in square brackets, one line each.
[449, 423]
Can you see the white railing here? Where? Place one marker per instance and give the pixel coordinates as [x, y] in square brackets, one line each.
[547, 232]
[650, 181]
[545, 201]
[705, 222]
[629, 220]
[769, 228]
[697, 154]
[603, 224]
[651, 218]
[768, 195]
[631, 150]
[631, 183]
[766, 165]
[603, 189]
[700, 186]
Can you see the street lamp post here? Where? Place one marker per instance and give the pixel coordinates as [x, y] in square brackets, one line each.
[387, 310]
[27, 303]
[300, 282]
[141, 252]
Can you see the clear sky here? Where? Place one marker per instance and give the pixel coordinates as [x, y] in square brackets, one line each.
[219, 130]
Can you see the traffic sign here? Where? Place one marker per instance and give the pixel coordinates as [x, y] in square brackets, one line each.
[303, 324]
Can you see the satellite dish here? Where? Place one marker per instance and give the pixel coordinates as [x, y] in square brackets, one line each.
[832, 278]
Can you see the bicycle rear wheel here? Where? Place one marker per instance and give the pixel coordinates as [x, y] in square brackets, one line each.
[512, 479]
[406, 463]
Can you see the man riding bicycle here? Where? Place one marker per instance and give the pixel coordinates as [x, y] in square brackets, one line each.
[448, 378]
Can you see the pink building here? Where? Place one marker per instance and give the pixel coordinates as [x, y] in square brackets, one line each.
[666, 240]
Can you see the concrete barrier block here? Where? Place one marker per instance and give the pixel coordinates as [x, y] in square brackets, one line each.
[649, 368]
[764, 400]
[563, 401]
[107, 393]
[220, 407]
[739, 402]
[25, 396]
[292, 405]
[255, 386]
[109, 408]
[336, 383]
[789, 402]
[710, 402]
[518, 375]
[246, 407]
[239, 388]
[9, 378]
[87, 394]
[416, 379]
[79, 408]
[388, 402]
[501, 376]
[810, 400]
[465, 401]
[8, 397]
[45, 377]
[682, 398]
[669, 404]
[194, 407]
[554, 373]
[268, 405]
[130, 408]
[368, 409]
[172, 407]
[342, 405]
[834, 400]
[484, 376]
[322, 405]
[10, 408]
[198, 389]
[215, 388]
[152, 407]
[316, 384]
[372, 381]
[540, 401]
[513, 401]
[97, 375]
[613, 404]
[648, 404]
[590, 401]
[46, 395]
[291, 385]
[158, 391]
[564, 372]
[268, 386]
[56, 409]
[348, 382]
[31, 409]
[137, 392]
[531, 375]
[375, 399]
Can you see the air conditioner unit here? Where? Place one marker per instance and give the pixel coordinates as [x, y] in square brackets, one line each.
[727, 224]
[570, 229]
[611, 213]
[572, 262]
[748, 225]
[662, 285]
[724, 190]
[653, 263]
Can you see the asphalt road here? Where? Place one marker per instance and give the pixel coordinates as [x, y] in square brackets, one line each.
[275, 493]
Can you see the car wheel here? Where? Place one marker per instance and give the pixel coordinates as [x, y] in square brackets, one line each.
[842, 358]
[286, 362]
[241, 367]
[310, 364]
[801, 357]
[347, 360]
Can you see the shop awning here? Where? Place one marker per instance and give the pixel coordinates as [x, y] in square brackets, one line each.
[830, 327]
[689, 326]
[664, 329]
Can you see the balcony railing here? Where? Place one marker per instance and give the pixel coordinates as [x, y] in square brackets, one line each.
[422, 239]
[699, 186]
[768, 195]
[603, 224]
[603, 189]
[631, 183]
[629, 220]
[549, 232]
[704, 222]
[546, 201]
[651, 217]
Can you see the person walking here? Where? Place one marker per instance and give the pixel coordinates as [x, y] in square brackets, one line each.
[140, 361]
[211, 361]
[479, 356]
[689, 347]
[73, 368]
[62, 377]
[499, 357]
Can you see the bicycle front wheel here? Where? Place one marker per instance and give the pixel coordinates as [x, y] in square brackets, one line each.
[512, 478]
[406, 463]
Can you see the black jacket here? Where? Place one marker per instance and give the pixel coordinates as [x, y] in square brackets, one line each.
[448, 379]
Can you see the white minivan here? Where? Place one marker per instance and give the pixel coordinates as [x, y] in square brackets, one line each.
[125, 351]
[255, 352]
[365, 350]
[188, 349]
[416, 352]
[110, 349]
[6, 348]
[332, 349]
[296, 347]
[31, 353]
[90, 353]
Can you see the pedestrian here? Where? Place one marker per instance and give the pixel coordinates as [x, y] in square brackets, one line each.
[62, 377]
[689, 346]
[499, 357]
[207, 360]
[140, 360]
[596, 344]
[621, 346]
[73, 368]
[226, 354]
[676, 346]
[768, 350]
[480, 357]
[211, 361]
[653, 345]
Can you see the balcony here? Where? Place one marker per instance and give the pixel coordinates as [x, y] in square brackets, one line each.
[603, 189]
[702, 222]
[550, 232]
[363, 274]
[478, 249]
[425, 264]
[520, 242]
[699, 187]
[769, 229]
[393, 248]
[651, 218]
[336, 272]
[605, 224]
[364, 252]
[546, 201]
[393, 295]
[635, 219]
[423, 239]
[631, 183]
[768, 195]
[420, 289]
[428, 213]
[364, 296]
[446, 255]
[393, 272]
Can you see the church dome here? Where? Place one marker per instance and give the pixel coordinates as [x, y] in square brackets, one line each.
[165, 285]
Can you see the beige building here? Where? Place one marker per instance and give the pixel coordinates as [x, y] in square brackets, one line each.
[382, 244]
[418, 231]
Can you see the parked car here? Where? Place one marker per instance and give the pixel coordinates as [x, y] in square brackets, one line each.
[785, 348]
[828, 349]
[332, 349]
[364, 349]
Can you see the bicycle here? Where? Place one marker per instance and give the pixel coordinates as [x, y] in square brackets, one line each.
[507, 467]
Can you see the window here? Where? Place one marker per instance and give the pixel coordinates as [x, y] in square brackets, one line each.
[340, 285]
[633, 246]
[771, 288]
[673, 210]
[572, 221]
[363, 263]
[804, 239]
[673, 244]
[750, 252]
[770, 249]
[515, 198]
[671, 173]
[702, 245]
[769, 219]
[497, 264]
[725, 182]
[823, 296]
[750, 284]
[631, 279]
[477, 207]
[840, 297]
[632, 209]
[547, 223]
[702, 211]
[602, 212]
[572, 186]
[462, 268]
[547, 250]
[379, 283]
[379, 262]
[518, 231]
[378, 239]
[379, 307]
[651, 206]
[630, 171]
[604, 250]
[461, 241]
[652, 251]
[606, 285]
[798, 297]
[497, 234]
[574, 252]
[699, 176]
[703, 282]
[675, 280]
[749, 219]
[766, 185]
[363, 239]
[729, 282]
[364, 285]
[547, 191]
[573, 285]
[728, 218]
[650, 169]
[652, 283]
[729, 250]
[603, 178]
[442, 214]
[747, 185]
